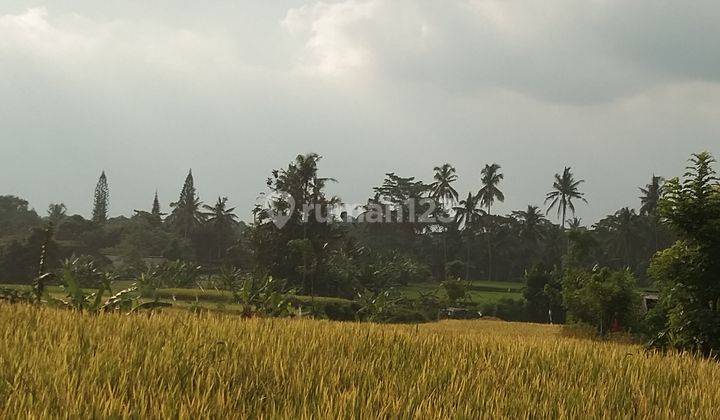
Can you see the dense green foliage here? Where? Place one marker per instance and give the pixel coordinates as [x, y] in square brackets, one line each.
[101, 203]
[603, 298]
[688, 273]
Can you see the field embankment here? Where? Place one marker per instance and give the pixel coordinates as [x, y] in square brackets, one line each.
[62, 363]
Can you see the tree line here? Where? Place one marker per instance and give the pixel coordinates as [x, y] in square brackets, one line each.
[587, 273]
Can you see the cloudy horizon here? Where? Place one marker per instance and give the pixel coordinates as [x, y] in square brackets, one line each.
[619, 91]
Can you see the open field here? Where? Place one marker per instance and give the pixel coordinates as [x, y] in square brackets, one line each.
[61, 363]
[480, 292]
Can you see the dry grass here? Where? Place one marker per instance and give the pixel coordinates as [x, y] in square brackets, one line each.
[63, 364]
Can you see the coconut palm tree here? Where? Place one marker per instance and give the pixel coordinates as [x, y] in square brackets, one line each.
[56, 212]
[648, 204]
[221, 221]
[565, 190]
[625, 226]
[575, 223]
[491, 177]
[441, 189]
[467, 212]
[651, 195]
[219, 216]
[530, 221]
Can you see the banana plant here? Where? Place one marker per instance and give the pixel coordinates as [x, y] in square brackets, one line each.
[266, 297]
[76, 298]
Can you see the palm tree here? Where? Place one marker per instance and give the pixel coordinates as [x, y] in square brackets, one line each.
[187, 216]
[624, 224]
[221, 219]
[441, 189]
[649, 201]
[575, 223]
[530, 221]
[56, 212]
[651, 195]
[565, 189]
[468, 214]
[219, 216]
[491, 177]
[300, 181]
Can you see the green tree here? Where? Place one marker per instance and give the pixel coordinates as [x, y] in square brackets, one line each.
[651, 195]
[56, 213]
[602, 297]
[649, 200]
[531, 221]
[101, 203]
[221, 220]
[688, 272]
[441, 189]
[623, 228]
[301, 247]
[16, 216]
[490, 179]
[565, 190]
[186, 216]
[156, 213]
[543, 294]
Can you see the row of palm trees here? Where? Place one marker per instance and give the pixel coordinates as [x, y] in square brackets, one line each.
[473, 213]
[476, 207]
[468, 211]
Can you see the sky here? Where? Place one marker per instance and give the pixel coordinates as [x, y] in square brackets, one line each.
[617, 90]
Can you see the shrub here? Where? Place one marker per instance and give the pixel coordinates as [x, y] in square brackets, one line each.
[456, 290]
[506, 309]
[601, 297]
[543, 294]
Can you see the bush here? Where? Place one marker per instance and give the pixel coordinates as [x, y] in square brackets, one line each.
[543, 294]
[602, 297]
[456, 290]
[688, 272]
[506, 309]
[688, 316]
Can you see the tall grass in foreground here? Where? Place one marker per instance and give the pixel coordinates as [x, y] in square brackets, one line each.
[66, 364]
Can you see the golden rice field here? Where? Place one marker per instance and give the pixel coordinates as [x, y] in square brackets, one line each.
[62, 364]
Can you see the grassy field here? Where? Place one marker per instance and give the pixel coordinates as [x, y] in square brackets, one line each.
[57, 363]
[481, 292]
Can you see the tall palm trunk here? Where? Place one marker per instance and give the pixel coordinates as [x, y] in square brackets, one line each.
[467, 261]
[489, 246]
[444, 267]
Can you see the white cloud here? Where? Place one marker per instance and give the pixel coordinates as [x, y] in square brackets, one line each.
[331, 47]
[82, 46]
[32, 34]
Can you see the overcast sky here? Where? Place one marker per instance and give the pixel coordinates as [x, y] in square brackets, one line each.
[617, 90]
